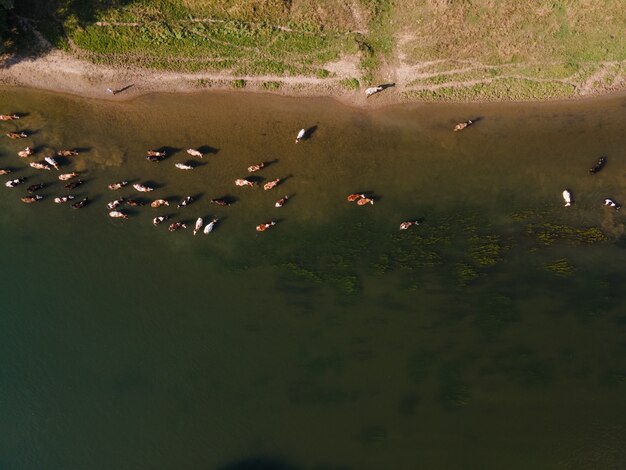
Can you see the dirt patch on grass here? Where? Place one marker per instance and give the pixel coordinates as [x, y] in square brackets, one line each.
[345, 67]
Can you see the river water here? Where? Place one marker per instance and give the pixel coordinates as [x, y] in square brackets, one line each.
[490, 336]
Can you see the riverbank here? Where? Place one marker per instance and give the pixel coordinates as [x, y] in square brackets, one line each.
[60, 71]
[431, 51]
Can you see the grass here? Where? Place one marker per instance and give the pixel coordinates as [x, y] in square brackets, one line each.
[378, 44]
[188, 35]
[509, 31]
[448, 77]
[271, 85]
[322, 73]
[505, 89]
[526, 42]
[448, 73]
[516, 50]
[241, 47]
[239, 83]
[350, 83]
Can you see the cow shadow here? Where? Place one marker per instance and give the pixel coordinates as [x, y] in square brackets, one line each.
[207, 149]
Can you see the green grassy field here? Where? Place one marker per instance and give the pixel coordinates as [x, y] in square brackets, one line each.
[433, 49]
[520, 49]
[249, 37]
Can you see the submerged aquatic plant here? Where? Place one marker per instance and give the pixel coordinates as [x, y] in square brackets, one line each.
[302, 272]
[383, 264]
[494, 314]
[453, 391]
[486, 250]
[466, 273]
[523, 214]
[549, 233]
[523, 366]
[419, 364]
[613, 378]
[346, 284]
[560, 267]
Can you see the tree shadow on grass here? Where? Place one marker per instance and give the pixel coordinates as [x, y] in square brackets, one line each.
[36, 27]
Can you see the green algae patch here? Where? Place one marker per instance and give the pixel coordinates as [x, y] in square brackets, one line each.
[549, 233]
[466, 273]
[486, 250]
[523, 215]
[302, 272]
[560, 267]
[407, 251]
[346, 284]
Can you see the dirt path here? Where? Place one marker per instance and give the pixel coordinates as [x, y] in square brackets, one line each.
[598, 78]
[433, 75]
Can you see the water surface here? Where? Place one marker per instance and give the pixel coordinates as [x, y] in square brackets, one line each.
[491, 336]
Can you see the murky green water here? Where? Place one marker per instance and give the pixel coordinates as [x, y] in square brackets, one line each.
[492, 336]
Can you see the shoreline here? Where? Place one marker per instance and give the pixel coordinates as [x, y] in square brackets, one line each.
[60, 72]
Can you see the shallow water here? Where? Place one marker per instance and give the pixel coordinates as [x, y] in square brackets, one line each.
[491, 336]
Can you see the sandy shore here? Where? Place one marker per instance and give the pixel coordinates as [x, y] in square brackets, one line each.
[59, 71]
